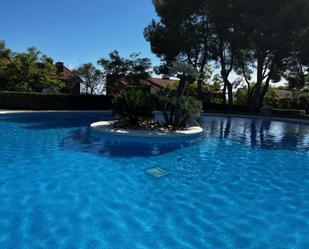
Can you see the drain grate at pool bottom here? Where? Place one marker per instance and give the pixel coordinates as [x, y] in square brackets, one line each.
[157, 172]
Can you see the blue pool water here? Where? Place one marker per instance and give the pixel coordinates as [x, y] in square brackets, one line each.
[243, 184]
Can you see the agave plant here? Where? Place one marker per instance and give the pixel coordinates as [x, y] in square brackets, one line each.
[186, 106]
[178, 109]
[133, 106]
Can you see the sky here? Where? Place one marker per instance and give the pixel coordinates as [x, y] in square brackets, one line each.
[77, 31]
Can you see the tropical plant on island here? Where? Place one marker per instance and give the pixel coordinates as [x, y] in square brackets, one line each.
[177, 107]
[134, 107]
[177, 111]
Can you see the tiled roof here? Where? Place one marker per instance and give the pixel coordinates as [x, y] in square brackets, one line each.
[67, 75]
[283, 93]
[158, 82]
[163, 83]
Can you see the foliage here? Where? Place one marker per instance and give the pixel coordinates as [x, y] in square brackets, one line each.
[271, 98]
[178, 109]
[299, 100]
[262, 40]
[186, 74]
[190, 89]
[181, 69]
[133, 106]
[288, 112]
[241, 96]
[210, 87]
[30, 71]
[44, 101]
[271, 37]
[184, 35]
[217, 82]
[297, 80]
[134, 70]
[92, 78]
[189, 35]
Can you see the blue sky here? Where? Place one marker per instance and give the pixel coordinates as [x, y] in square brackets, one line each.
[77, 31]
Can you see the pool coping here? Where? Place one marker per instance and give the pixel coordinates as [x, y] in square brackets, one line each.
[294, 120]
[106, 128]
[48, 111]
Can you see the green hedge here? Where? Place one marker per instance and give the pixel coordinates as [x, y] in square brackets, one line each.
[41, 101]
[289, 112]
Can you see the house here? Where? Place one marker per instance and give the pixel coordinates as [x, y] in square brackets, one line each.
[113, 87]
[282, 94]
[157, 84]
[72, 82]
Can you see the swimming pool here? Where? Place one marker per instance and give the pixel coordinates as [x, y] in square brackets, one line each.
[243, 184]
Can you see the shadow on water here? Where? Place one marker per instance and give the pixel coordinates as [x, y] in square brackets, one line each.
[258, 133]
[90, 141]
[54, 120]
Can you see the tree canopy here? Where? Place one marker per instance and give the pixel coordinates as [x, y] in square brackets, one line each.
[92, 78]
[261, 40]
[134, 69]
[28, 71]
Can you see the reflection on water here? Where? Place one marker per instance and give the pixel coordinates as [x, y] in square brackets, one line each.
[259, 133]
[255, 133]
[54, 120]
[89, 140]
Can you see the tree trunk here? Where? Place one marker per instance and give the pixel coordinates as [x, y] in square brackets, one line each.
[181, 86]
[199, 89]
[249, 93]
[224, 94]
[228, 85]
[225, 76]
[230, 95]
[264, 92]
[255, 97]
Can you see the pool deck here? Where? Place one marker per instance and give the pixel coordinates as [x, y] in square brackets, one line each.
[2, 111]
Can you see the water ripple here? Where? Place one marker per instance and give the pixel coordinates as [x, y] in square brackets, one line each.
[244, 184]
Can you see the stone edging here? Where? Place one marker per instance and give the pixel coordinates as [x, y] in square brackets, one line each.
[105, 127]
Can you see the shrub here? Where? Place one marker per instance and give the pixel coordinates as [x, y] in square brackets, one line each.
[299, 100]
[133, 106]
[178, 110]
[271, 98]
[288, 112]
[241, 96]
[187, 107]
[41, 101]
